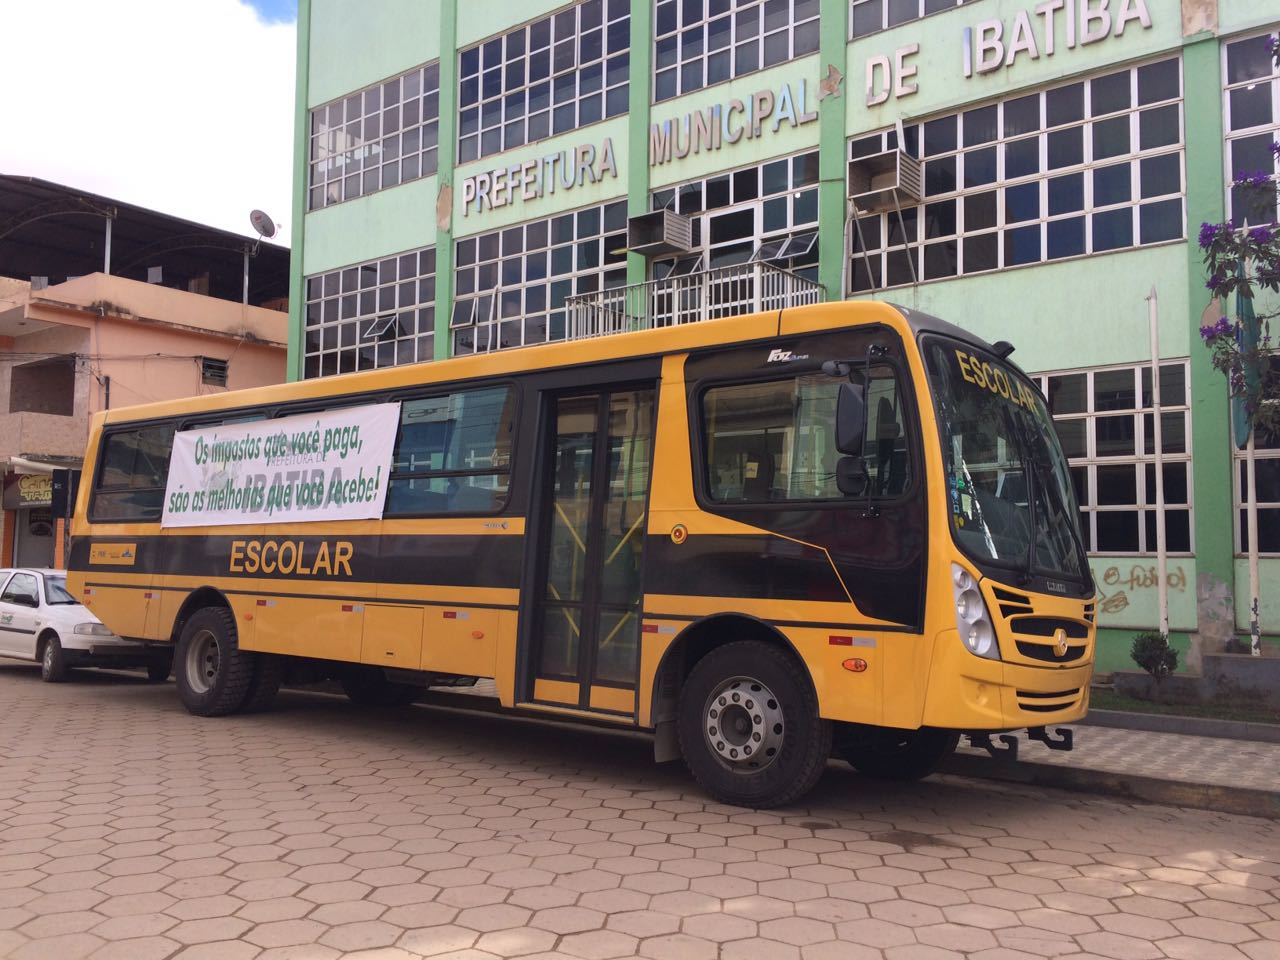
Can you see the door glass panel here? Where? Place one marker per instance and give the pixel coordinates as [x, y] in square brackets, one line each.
[622, 533]
[570, 520]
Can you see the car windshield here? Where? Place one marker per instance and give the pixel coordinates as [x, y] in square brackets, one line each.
[55, 590]
[1011, 500]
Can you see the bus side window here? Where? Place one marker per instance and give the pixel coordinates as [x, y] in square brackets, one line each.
[453, 453]
[775, 441]
[132, 474]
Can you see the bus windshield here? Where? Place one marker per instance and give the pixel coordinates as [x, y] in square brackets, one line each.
[1011, 500]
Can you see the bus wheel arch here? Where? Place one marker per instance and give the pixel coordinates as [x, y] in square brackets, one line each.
[197, 600]
[692, 644]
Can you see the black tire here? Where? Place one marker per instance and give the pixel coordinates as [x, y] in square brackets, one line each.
[213, 672]
[158, 671]
[369, 687]
[268, 674]
[784, 726]
[888, 754]
[53, 665]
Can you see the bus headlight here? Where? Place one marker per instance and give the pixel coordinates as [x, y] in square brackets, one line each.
[972, 619]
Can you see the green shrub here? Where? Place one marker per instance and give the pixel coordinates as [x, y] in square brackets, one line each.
[1151, 651]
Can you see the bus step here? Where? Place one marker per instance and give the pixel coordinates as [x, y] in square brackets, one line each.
[982, 741]
[1064, 741]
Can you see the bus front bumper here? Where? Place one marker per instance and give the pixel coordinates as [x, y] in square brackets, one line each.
[967, 692]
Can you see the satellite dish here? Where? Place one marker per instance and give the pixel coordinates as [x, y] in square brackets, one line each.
[264, 225]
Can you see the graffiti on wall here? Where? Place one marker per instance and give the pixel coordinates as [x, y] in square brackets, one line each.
[1118, 585]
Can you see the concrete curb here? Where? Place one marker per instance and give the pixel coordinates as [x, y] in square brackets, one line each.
[1189, 726]
[1200, 796]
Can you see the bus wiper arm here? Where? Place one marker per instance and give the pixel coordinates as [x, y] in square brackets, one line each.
[1082, 555]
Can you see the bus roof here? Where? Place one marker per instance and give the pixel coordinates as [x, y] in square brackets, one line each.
[618, 346]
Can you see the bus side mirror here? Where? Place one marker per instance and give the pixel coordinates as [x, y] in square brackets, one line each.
[851, 419]
[852, 478]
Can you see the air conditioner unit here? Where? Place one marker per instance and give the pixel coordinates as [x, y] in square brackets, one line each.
[659, 233]
[885, 181]
[39, 283]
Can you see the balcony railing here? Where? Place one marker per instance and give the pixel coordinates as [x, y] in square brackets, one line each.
[708, 295]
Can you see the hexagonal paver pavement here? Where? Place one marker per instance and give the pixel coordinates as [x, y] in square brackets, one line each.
[129, 829]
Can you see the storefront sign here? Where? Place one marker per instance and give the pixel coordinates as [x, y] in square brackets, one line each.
[28, 490]
[728, 123]
[325, 466]
[536, 178]
[993, 44]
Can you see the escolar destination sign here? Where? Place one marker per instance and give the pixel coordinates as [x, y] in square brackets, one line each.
[324, 466]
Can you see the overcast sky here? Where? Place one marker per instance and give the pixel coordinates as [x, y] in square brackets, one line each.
[181, 106]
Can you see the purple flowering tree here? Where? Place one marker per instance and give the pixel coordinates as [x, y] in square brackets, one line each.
[1242, 260]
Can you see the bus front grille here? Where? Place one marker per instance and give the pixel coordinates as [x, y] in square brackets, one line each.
[1034, 702]
[1036, 638]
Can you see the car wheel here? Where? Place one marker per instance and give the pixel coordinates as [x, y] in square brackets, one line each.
[888, 754]
[53, 665]
[369, 687]
[749, 727]
[158, 671]
[213, 672]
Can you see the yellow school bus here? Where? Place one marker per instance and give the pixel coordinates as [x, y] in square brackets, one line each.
[839, 528]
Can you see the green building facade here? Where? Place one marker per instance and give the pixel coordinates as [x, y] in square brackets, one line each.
[461, 168]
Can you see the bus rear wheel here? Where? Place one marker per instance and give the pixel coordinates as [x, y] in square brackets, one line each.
[268, 674]
[213, 673]
[889, 754]
[369, 687]
[749, 727]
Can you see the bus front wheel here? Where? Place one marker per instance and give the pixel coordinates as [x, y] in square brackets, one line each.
[888, 754]
[213, 673]
[749, 727]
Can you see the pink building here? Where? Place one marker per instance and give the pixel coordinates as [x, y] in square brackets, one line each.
[103, 305]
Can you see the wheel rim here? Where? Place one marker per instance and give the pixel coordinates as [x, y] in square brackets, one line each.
[203, 655]
[48, 657]
[744, 725]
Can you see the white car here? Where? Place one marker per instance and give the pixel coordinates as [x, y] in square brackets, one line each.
[40, 620]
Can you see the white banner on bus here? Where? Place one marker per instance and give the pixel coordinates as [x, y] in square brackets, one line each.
[318, 466]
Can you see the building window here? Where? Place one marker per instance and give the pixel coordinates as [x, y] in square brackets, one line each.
[872, 16]
[213, 371]
[374, 314]
[753, 213]
[375, 138]
[1266, 474]
[1105, 422]
[544, 78]
[1089, 167]
[1251, 82]
[510, 285]
[698, 44]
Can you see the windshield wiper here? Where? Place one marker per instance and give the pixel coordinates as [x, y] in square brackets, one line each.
[1082, 557]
